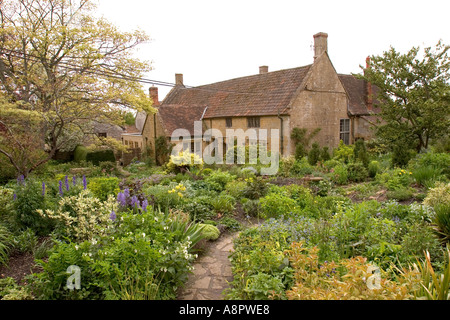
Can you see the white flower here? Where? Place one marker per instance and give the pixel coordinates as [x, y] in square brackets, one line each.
[76, 247]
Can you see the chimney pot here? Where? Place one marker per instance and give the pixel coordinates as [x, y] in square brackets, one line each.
[320, 44]
[263, 69]
[179, 79]
[154, 95]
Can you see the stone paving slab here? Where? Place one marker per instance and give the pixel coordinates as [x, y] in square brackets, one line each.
[212, 272]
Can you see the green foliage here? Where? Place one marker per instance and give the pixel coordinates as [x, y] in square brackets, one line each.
[25, 242]
[81, 217]
[325, 154]
[301, 167]
[210, 232]
[373, 168]
[413, 99]
[439, 195]
[339, 174]
[223, 204]
[343, 152]
[5, 244]
[80, 153]
[103, 187]
[357, 172]
[360, 153]
[218, 180]
[162, 150]
[100, 156]
[314, 154]
[10, 290]
[302, 139]
[143, 255]
[255, 188]
[277, 205]
[434, 285]
[29, 198]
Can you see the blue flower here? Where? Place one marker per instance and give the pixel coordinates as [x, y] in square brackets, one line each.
[66, 181]
[134, 201]
[74, 180]
[113, 216]
[43, 188]
[84, 182]
[122, 199]
[61, 193]
[144, 205]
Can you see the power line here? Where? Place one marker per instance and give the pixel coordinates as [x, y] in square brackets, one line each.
[120, 76]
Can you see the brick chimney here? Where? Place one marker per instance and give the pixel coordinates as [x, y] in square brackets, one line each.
[263, 69]
[179, 79]
[369, 93]
[154, 95]
[320, 44]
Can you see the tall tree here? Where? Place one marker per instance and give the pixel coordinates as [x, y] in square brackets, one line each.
[413, 95]
[60, 69]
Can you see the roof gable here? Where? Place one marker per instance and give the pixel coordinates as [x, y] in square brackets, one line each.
[262, 94]
[175, 116]
[357, 95]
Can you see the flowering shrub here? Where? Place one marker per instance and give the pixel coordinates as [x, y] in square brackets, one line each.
[81, 217]
[185, 160]
[142, 256]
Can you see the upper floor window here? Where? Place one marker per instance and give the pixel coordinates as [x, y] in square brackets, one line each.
[344, 131]
[228, 122]
[253, 122]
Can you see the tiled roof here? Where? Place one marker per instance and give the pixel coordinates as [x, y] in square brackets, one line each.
[262, 94]
[176, 116]
[357, 94]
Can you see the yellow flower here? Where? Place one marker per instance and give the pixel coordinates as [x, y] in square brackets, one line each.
[180, 194]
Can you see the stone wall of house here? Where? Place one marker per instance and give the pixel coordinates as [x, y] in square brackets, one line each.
[148, 132]
[322, 104]
[266, 122]
[362, 128]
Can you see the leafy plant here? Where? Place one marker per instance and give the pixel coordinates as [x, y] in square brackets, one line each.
[83, 216]
[314, 154]
[4, 244]
[347, 279]
[102, 187]
[434, 286]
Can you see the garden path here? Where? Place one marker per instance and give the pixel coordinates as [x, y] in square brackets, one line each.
[212, 272]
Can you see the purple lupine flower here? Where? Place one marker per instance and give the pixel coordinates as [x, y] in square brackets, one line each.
[20, 179]
[43, 188]
[144, 205]
[126, 193]
[121, 199]
[113, 216]
[61, 193]
[84, 182]
[134, 201]
[66, 181]
[15, 196]
[74, 180]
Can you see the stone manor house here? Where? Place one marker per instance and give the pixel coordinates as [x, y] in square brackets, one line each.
[310, 97]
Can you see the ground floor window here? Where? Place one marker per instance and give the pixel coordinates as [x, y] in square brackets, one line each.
[344, 131]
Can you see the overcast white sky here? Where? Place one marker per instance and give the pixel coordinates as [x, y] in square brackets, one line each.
[210, 41]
